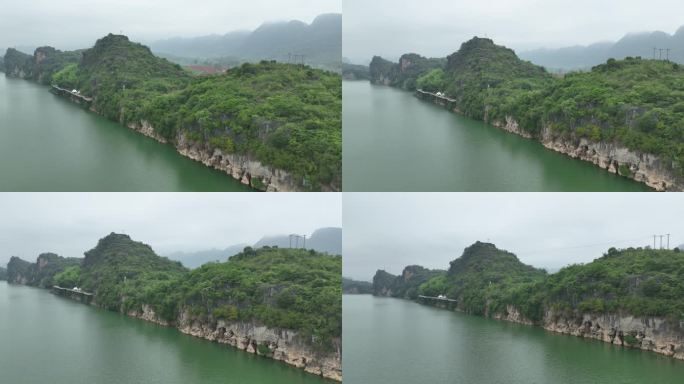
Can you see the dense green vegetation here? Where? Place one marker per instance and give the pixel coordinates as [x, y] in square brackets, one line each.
[639, 282]
[40, 67]
[405, 74]
[355, 72]
[285, 116]
[634, 102]
[351, 286]
[405, 286]
[286, 288]
[484, 278]
[289, 288]
[42, 272]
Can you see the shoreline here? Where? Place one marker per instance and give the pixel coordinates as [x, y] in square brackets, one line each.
[613, 158]
[251, 339]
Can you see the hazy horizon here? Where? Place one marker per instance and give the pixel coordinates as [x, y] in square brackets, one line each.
[70, 224]
[76, 24]
[546, 230]
[436, 28]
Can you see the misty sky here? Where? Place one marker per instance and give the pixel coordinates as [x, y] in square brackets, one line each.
[437, 28]
[70, 224]
[547, 230]
[72, 24]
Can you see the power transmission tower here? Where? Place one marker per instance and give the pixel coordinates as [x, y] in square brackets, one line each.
[305, 242]
[660, 54]
[654, 49]
[661, 241]
[654, 236]
[668, 241]
[668, 54]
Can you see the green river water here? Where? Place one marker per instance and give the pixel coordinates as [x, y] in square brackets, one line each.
[48, 143]
[50, 339]
[398, 341]
[396, 142]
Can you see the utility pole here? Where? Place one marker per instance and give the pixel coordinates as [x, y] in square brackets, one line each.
[668, 54]
[654, 49]
[654, 236]
[661, 241]
[660, 53]
[304, 242]
[668, 241]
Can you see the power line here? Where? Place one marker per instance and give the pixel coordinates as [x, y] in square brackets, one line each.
[587, 245]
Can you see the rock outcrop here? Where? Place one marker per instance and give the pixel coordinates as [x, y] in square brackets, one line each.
[278, 344]
[613, 157]
[655, 334]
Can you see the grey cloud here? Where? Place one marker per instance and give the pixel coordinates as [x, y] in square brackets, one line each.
[438, 27]
[69, 224]
[72, 24]
[547, 230]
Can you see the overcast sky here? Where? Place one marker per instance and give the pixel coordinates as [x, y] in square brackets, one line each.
[438, 27]
[71, 24]
[547, 230]
[71, 223]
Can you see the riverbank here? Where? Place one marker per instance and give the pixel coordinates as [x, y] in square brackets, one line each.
[278, 344]
[613, 158]
[436, 346]
[651, 333]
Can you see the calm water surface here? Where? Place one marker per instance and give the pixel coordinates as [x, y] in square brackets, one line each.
[50, 339]
[50, 144]
[398, 341]
[395, 142]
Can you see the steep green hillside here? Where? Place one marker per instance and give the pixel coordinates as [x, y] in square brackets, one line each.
[122, 273]
[405, 286]
[637, 102]
[484, 278]
[634, 281]
[42, 273]
[288, 288]
[641, 282]
[484, 78]
[40, 67]
[351, 286]
[404, 74]
[3, 274]
[285, 116]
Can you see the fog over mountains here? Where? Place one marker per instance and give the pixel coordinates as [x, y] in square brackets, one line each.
[319, 42]
[327, 240]
[632, 44]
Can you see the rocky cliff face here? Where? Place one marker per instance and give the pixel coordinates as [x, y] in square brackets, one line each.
[613, 157]
[240, 167]
[654, 334]
[279, 344]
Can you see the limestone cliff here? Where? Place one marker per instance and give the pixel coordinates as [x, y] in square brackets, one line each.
[243, 168]
[655, 334]
[613, 157]
[278, 344]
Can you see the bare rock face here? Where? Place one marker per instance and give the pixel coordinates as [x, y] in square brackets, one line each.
[279, 344]
[643, 167]
[654, 334]
[242, 168]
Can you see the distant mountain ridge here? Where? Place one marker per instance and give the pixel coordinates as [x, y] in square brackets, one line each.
[324, 240]
[320, 43]
[632, 44]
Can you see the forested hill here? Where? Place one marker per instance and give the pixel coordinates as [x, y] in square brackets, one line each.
[3, 274]
[407, 285]
[42, 272]
[280, 288]
[286, 117]
[634, 105]
[489, 281]
[320, 43]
